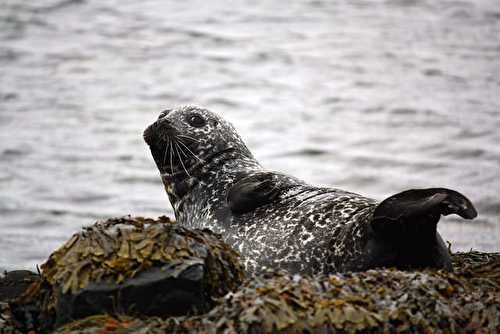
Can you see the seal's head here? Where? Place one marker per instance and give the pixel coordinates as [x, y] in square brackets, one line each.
[185, 138]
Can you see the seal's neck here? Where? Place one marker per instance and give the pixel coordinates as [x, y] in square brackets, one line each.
[179, 186]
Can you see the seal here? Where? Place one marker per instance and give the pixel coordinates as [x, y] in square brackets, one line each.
[278, 221]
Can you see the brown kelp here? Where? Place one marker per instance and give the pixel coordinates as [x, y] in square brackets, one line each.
[121, 265]
[375, 301]
[158, 259]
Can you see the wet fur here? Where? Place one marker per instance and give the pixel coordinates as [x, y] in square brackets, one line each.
[277, 221]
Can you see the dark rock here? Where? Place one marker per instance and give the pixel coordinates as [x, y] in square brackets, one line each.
[8, 325]
[112, 324]
[375, 301]
[133, 266]
[13, 283]
[153, 276]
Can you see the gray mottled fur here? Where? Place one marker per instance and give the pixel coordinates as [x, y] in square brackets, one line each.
[306, 229]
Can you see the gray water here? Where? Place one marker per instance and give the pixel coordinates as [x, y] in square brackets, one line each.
[370, 96]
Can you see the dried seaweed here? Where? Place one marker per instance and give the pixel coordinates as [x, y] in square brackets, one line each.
[109, 254]
[372, 301]
[375, 301]
[106, 324]
[8, 325]
[482, 269]
[117, 249]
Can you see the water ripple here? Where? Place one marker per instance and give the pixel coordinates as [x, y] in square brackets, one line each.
[372, 96]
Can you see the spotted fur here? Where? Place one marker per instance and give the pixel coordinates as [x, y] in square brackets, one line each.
[304, 229]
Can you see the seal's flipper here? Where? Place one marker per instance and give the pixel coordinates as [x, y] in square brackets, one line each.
[404, 228]
[252, 191]
[424, 202]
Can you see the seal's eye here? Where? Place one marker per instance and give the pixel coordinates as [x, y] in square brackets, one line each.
[196, 120]
[164, 113]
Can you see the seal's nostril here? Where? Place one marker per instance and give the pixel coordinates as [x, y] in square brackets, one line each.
[148, 134]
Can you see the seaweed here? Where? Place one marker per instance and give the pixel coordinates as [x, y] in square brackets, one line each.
[375, 301]
[119, 265]
[111, 256]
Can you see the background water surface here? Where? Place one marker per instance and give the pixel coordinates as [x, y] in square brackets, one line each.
[370, 96]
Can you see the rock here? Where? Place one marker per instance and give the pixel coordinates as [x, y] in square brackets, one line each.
[111, 324]
[375, 301]
[153, 276]
[133, 266]
[12, 285]
[8, 324]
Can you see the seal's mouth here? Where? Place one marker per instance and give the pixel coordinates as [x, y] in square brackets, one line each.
[171, 151]
[178, 155]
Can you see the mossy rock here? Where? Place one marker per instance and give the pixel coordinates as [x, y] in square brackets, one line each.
[8, 324]
[375, 301]
[12, 285]
[110, 324]
[134, 266]
[118, 258]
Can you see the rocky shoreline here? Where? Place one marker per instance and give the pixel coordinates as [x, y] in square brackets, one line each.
[140, 275]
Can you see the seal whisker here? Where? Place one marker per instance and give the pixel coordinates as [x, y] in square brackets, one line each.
[165, 154]
[188, 137]
[170, 153]
[197, 141]
[180, 158]
[181, 150]
[194, 155]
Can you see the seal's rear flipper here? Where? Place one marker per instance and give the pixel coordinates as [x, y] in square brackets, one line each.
[404, 227]
[417, 202]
